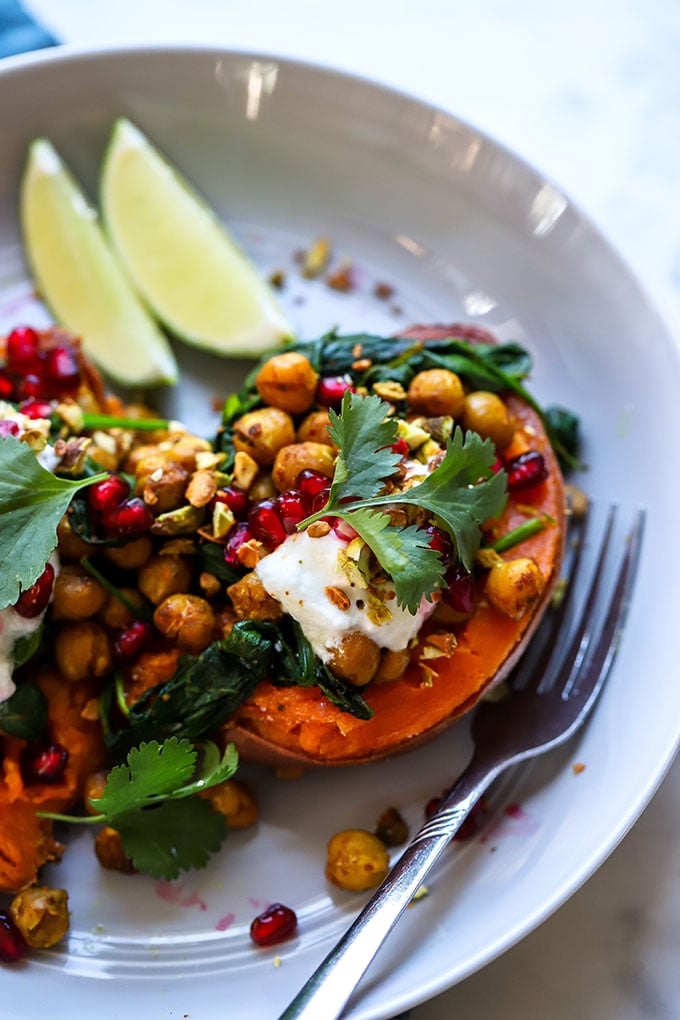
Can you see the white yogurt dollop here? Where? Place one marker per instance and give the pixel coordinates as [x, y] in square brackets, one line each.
[298, 573]
[12, 628]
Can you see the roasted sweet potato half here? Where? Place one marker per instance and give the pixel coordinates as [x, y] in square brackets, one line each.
[293, 726]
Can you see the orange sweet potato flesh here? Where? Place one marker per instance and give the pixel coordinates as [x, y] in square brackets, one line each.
[26, 842]
[298, 726]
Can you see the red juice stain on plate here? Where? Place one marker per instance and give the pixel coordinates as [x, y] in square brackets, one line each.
[514, 821]
[225, 922]
[175, 894]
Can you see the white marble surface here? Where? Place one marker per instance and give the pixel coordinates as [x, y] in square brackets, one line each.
[589, 92]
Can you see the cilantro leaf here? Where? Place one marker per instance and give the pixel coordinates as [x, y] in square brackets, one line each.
[171, 838]
[32, 502]
[153, 771]
[404, 553]
[214, 769]
[150, 801]
[363, 434]
[460, 495]
[454, 494]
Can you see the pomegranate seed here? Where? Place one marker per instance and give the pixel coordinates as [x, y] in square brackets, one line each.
[343, 530]
[31, 387]
[132, 517]
[34, 600]
[8, 428]
[237, 536]
[320, 499]
[44, 763]
[459, 592]
[133, 640]
[107, 494]
[235, 499]
[266, 524]
[440, 542]
[273, 925]
[401, 447]
[496, 466]
[12, 946]
[23, 350]
[62, 367]
[6, 386]
[35, 409]
[331, 389]
[526, 470]
[310, 482]
[293, 507]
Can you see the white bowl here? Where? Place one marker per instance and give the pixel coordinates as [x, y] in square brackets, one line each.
[462, 230]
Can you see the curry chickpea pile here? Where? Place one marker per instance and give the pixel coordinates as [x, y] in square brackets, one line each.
[302, 589]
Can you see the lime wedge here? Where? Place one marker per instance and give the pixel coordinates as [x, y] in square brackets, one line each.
[180, 257]
[80, 279]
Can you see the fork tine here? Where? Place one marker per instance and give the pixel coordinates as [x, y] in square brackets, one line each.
[578, 645]
[587, 679]
[533, 673]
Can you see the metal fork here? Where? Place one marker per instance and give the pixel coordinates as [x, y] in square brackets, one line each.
[568, 669]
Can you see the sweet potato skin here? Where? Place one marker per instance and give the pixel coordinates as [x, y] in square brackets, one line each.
[26, 842]
[293, 725]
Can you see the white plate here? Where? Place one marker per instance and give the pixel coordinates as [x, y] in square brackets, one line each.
[462, 230]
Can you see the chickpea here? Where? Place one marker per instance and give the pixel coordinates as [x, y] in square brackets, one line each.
[186, 619]
[436, 391]
[40, 916]
[262, 433]
[131, 555]
[77, 595]
[294, 458]
[356, 860]
[251, 600]
[115, 614]
[93, 788]
[70, 545]
[235, 802]
[486, 414]
[356, 659]
[110, 853]
[161, 482]
[392, 665]
[514, 586]
[314, 429]
[162, 576]
[82, 650]
[287, 381]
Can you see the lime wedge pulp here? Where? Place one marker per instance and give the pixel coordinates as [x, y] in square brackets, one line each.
[80, 280]
[180, 257]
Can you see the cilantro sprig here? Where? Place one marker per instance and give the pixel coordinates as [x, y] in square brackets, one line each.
[151, 801]
[460, 494]
[32, 502]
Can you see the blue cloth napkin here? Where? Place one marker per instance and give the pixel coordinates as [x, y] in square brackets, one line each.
[19, 32]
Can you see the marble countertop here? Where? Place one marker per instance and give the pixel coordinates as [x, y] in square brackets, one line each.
[589, 93]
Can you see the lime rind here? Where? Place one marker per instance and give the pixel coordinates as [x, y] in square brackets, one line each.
[81, 281]
[184, 263]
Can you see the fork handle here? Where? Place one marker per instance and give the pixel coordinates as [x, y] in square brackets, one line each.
[332, 983]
